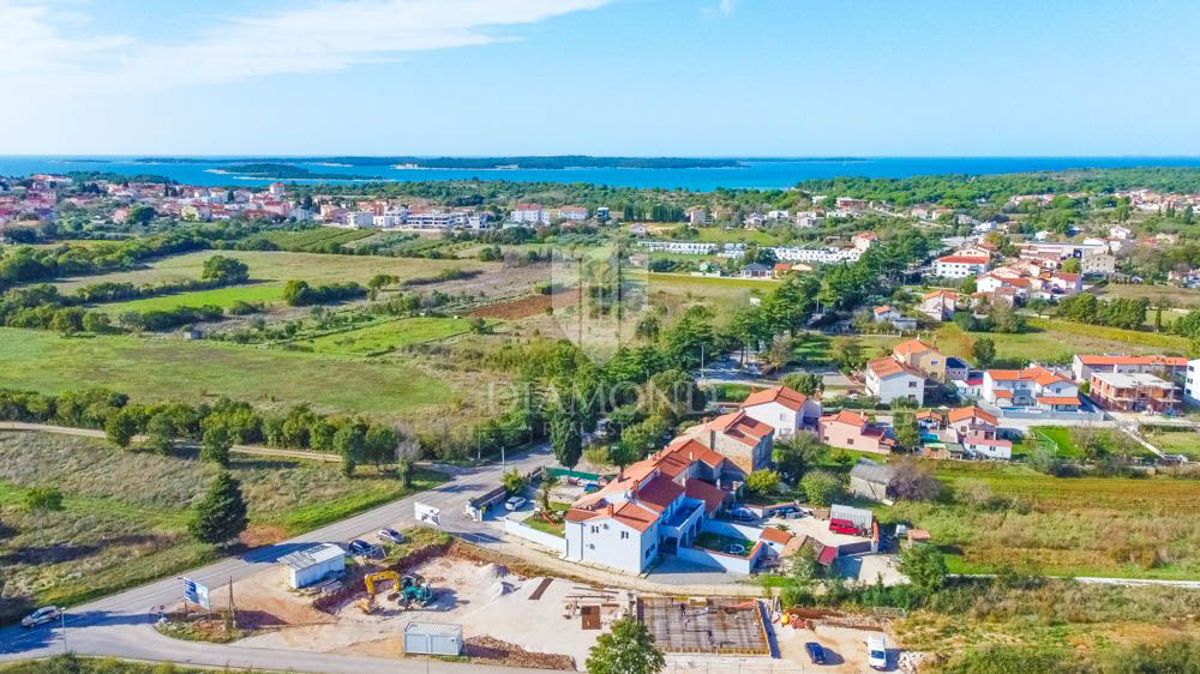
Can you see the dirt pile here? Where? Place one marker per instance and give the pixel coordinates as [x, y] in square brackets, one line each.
[511, 655]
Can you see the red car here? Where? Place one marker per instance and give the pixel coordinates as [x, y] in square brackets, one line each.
[840, 526]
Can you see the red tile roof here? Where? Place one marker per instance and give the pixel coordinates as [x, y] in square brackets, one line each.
[1159, 361]
[957, 415]
[1058, 400]
[846, 417]
[911, 347]
[657, 494]
[963, 259]
[712, 495]
[887, 367]
[773, 535]
[741, 427]
[793, 400]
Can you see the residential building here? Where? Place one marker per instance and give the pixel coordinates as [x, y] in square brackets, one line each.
[1191, 383]
[684, 247]
[960, 266]
[529, 214]
[573, 213]
[783, 409]
[972, 421]
[850, 204]
[989, 447]
[864, 240]
[889, 314]
[939, 305]
[851, 430]
[1133, 392]
[697, 217]
[1104, 264]
[1169, 367]
[738, 436]
[921, 357]
[1034, 387]
[956, 369]
[889, 380]
[657, 506]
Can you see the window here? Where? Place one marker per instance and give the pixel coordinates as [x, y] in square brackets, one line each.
[849, 441]
[624, 534]
[595, 530]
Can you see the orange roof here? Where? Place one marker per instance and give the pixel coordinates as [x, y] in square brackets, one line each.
[741, 427]
[1058, 400]
[882, 309]
[910, 347]
[1163, 361]
[636, 516]
[712, 495]
[957, 415]
[846, 417]
[773, 535]
[658, 493]
[1040, 375]
[887, 367]
[963, 259]
[948, 294]
[793, 400]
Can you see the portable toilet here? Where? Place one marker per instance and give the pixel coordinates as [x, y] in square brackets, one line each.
[311, 565]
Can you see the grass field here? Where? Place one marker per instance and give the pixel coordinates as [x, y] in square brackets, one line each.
[115, 532]
[281, 266]
[385, 337]
[721, 235]
[1181, 442]
[1179, 297]
[222, 297]
[158, 369]
[314, 240]
[1011, 515]
[1057, 341]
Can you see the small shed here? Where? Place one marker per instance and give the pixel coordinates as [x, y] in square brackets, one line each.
[424, 638]
[872, 480]
[311, 565]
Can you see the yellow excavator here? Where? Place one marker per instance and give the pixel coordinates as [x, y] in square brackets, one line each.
[372, 581]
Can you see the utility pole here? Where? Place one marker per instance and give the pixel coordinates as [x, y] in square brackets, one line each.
[231, 615]
[63, 621]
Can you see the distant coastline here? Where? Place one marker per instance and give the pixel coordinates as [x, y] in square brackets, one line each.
[559, 162]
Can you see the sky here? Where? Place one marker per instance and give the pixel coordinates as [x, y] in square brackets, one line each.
[601, 77]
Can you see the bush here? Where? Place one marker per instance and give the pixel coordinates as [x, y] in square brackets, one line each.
[821, 487]
[762, 482]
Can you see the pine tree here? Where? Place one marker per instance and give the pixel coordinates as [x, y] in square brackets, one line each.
[221, 516]
[628, 649]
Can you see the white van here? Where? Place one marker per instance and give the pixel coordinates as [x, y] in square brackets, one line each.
[877, 653]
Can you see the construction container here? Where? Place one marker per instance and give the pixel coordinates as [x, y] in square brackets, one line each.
[422, 638]
[311, 565]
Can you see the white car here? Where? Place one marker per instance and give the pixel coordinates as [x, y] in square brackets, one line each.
[515, 503]
[43, 615]
[391, 536]
[877, 653]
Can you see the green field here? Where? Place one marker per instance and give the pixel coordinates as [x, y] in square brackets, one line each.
[281, 266]
[385, 337]
[115, 532]
[1007, 515]
[1179, 297]
[313, 240]
[1177, 442]
[1056, 341]
[222, 297]
[721, 235]
[170, 369]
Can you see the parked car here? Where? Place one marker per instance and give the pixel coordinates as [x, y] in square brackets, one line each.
[43, 615]
[841, 526]
[359, 547]
[515, 503]
[815, 652]
[591, 488]
[786, 512]
[743, 515]
[391, 536]
[877, 653]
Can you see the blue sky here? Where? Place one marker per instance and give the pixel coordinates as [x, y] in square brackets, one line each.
[634, 77]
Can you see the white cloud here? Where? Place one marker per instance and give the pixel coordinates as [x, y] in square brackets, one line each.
[42, 46]
[726, 7]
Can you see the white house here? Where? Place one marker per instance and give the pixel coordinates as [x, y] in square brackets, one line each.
[529, 214]
[1084, 366]
[783, 409]
[1191, 383]
[992, 448]
[1034, 387]
[889, 380]
[960, 266]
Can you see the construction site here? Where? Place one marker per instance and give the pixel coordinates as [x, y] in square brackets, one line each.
[454, 599]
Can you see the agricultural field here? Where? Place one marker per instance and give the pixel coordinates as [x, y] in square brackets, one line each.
[677, 292]
[413, 390]
[1056, 341]
[1182, 442]
[385, 337]
[722, 235]
[267, 292]
[1188, 298]
[1005, 515]
[114, 532]
[320, 239]
[281, 266]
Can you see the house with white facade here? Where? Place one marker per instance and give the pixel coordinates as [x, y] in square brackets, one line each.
[960, 266]
[529, 214]
[940, 304]
[1035, 387]
[1191, 383]
[785, 410]
[889, 380]
[1174, 368]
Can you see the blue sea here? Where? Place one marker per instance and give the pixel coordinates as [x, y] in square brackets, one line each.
[750, 173]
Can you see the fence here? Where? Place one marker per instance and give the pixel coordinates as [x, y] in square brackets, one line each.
[542, 538]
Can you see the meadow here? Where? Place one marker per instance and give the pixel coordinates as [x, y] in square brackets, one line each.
[1177, 442]
[153, 369]
[114, 532]
[1178, 297]
[280, 266]
[1056, 341]
[387, 336]
[267, 292]
[1005, 516]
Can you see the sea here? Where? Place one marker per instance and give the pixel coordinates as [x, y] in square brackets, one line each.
[761, 173]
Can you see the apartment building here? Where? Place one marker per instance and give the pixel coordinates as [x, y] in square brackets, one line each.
[1133, 392]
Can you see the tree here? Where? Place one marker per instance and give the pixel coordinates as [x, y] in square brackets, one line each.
[565, 437]
[821, 487]
[925, 567]
[350, 443]
[914, 482]
[225, 270]
[848, 353]
[762, 481]
[808, 383]
[96, 322]
[514, 482]
[904, 427]
[221, 516]
[160, 433]
[984, 352]
[121, 427]
[628, 648]
[380, 445]
[648, 328]
[549, 482]
[1072, 265]
[621, 455]
[43, 499]
[794, 454]
[216, 444]
[407, 453]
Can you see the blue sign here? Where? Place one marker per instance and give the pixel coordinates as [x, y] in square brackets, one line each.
[195, 592]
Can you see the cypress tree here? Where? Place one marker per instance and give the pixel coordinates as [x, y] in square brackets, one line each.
[221, 516]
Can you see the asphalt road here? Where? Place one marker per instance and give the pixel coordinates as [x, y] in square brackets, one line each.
[120, 625]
